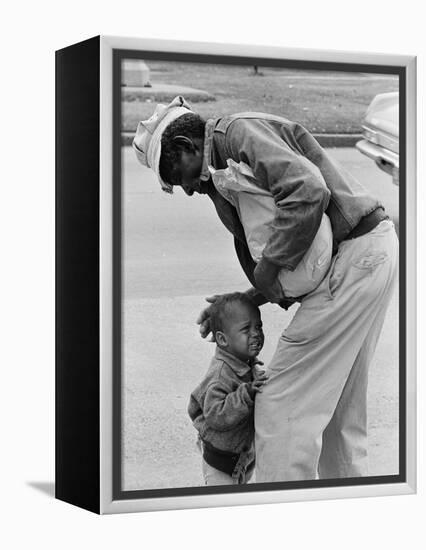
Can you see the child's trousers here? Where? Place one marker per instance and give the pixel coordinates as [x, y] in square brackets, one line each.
[311, 418]
[212, 476]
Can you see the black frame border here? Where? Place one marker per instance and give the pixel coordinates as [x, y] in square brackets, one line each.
[401, 72]
[77, 376]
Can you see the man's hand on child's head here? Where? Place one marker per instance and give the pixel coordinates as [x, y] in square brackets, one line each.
[204, 318]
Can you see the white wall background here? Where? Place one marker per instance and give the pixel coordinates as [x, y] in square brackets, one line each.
[30, 32]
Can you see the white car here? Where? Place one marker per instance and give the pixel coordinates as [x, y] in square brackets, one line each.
[381, 133]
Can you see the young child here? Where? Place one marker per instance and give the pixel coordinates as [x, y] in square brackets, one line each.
[222, 405]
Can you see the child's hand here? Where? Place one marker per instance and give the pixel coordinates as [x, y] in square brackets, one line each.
[259, 381]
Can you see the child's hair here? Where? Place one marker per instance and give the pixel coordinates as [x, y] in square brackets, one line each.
[189, 125]
[219, 311]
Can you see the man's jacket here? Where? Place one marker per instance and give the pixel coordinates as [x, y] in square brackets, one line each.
[303, 179]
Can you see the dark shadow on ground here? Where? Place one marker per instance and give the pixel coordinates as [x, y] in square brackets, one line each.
[47, 487]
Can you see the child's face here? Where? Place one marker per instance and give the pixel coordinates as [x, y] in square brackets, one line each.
[243, 332]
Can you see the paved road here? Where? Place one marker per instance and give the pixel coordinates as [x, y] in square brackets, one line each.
[176, 252]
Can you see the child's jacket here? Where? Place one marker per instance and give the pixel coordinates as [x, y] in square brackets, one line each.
[221, 408]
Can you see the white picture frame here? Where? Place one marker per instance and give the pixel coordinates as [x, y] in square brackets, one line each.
[112, 498]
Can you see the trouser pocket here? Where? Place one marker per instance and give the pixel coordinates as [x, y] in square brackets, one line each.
[355, 263]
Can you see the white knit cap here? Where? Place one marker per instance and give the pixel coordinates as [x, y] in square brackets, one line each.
[147, 141]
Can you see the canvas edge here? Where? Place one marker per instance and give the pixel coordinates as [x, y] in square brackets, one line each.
[411, 272]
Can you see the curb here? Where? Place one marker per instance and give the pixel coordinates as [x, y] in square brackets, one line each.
[325, 140]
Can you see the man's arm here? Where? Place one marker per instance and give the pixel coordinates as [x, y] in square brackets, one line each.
[298, 188]
[259, 299]
[256, 297]
[271, 289]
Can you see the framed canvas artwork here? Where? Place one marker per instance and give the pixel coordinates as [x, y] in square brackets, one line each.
[235, 274]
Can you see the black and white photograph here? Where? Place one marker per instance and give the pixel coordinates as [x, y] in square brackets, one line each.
[212, 282]
[258, 222]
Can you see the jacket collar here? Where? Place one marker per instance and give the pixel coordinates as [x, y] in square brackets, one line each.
[208, 136]
[240, 367]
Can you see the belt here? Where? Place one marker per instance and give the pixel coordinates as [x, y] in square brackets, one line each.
[225, 461]
[367, 223]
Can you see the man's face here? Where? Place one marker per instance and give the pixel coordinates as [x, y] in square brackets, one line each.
[189, 170]
[243, 332]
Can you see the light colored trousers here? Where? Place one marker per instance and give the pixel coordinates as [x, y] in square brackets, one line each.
[311, 418]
